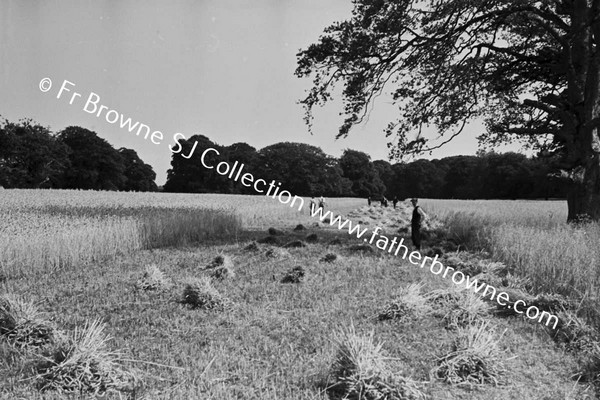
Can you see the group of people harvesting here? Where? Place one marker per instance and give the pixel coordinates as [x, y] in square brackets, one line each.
[416, 222]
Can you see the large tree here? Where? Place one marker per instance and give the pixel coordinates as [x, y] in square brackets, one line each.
[94, 163]
[530, 69]
[30, 156]
[357, 167]
[139, 176]
[303, 169]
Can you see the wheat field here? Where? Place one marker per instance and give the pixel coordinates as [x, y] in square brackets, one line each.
[183, 293]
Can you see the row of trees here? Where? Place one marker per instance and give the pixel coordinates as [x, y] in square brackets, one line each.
[75, 158]
[306, 170]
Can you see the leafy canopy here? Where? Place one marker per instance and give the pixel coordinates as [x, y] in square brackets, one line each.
[519, 65]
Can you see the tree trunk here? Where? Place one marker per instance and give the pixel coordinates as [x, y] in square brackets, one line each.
[583, 199]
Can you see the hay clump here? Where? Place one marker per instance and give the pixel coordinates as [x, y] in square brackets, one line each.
[312, 238]
[200, 293]
[295, 275]
[222, 273]
[299, 227]
[252, 246]
[336, 241]
[330, 257]
[469, 310]
[447, 298]
[277, 253]
[475, 358]
[360, 371]
[295, 244]
[83, 364]
[222, 260]
[408, 303]
[153, 279]
[22, 324]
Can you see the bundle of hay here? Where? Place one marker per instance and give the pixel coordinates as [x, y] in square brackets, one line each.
[336, 241]
[269, 240]
[446, 298]
[274, 232]
[295, 275]
[277, 253]
[153, 279]
[312, 238]
[469, 310]
[295, 244]
[299, 227]
[222, 273]
[253, 246]
[475, 358]
[200, 293]
[360, 371]
[330, 257]
[222, 260]
[22, 324]
[82, 364]
[408, 303]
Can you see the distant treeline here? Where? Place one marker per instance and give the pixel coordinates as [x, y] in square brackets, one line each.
[75, 158]
[306, 170]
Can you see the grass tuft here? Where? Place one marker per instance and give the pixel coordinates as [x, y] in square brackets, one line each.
[469, 310]
[475, 358]
[295, 275]
[200, 293]
[360, 371]
[222, 273]
[22, 324]
[153, 279]
[222, 260]
[330, 257]
[83, 364]
[408, 303]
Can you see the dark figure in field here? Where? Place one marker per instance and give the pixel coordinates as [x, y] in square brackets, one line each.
[369, 200]
[384, 202]
[311, 205]
[395, 201]
[417, 218]
[322, 203]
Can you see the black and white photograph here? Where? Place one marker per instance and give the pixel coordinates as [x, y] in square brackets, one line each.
[300, 199]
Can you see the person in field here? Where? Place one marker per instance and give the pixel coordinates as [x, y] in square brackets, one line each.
[369, 200]
[395, 201]
[311, 205]
[322, 203]
[418, 216]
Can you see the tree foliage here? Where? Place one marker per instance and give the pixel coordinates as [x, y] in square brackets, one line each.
[31, 156]
[530, 69]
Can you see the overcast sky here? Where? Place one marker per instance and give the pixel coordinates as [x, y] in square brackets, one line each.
[222, 68]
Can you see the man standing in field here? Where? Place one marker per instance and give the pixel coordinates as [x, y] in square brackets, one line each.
[311, 206]
[417, 218]
[322, 203]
